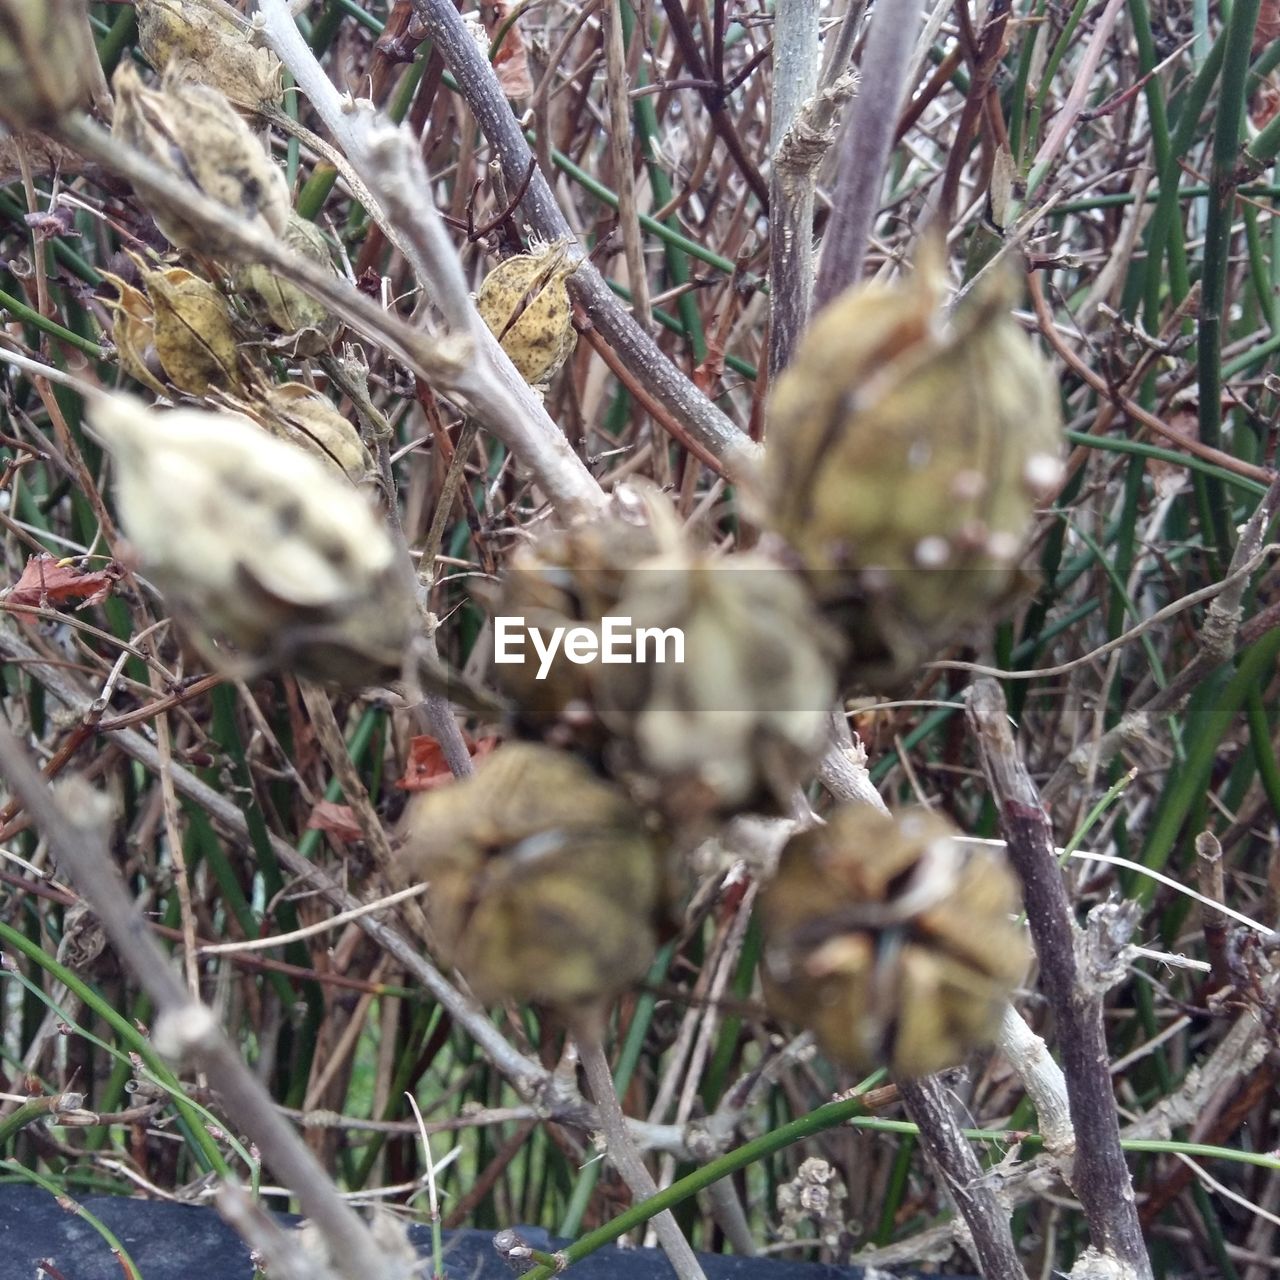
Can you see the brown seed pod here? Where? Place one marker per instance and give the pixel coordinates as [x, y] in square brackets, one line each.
[907, 453]
[188, 39]
[255, 541]
[526, 305]
[307, 419]
[46, 53]
[133, 330]
[544, 881]
[195, 133]
[192, 331]
[308, 326]
[711, 679]
[892, 940]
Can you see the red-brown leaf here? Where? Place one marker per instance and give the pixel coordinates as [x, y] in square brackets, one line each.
[46, 579]
[336, 820]
[426, 767]
[511, 65]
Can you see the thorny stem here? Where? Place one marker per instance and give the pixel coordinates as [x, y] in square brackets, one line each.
[1101, 1177]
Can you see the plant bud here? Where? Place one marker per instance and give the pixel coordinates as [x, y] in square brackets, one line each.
[253, 540]
[891, 939]
[193, 335]
[46, 52]
[133, 330]
[307, 419]
[712, 677]
[525, 303]
[195, 133]
[545, 884]
[188, 39]
[907, 453]
[309, 326]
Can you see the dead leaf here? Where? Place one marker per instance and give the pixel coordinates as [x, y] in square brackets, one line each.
[1268, 27]
[426, 767]
[336, 820]
[46, 579]
[511, 63]
[1169, 477]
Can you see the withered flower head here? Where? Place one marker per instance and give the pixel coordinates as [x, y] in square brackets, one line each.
[907, 453]
[544, 882]
[892, 940]
[187, 38]
[253, 540]
[308, 325]
[194, 132]
[192, 331]
[722, 697]
[525, 303]
[46, 53]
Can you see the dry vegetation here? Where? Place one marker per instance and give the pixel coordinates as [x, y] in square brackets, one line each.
[1126, 151]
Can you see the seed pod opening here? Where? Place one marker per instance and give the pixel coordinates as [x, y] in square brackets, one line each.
[545, 883]
[195, 133]
[192, 330]
[907, 453]
[254, 541]
[892, 940]
[526, 305]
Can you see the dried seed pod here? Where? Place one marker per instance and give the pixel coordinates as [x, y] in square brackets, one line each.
[46, 55]
[545, 883]
[892, 940]
[188, 39]
[907, 453]
[309, 326]
[194, 132]
[253, 540]
[304, 417]
[526, 305]
[710, 678]
[133, 330]
[193, 334]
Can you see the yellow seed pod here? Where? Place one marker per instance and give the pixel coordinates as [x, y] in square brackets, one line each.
[309, 326]
[194, 337]
[544, 882]
[306, 418]
[907, 453]
[195, 133]
[255, 541]
[892, 940]
[133, 330]
[187, 38]
[525, 303]
[46, 53]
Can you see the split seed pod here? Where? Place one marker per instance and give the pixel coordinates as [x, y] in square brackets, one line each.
[187, 38]
[722, 699]
[309, 420]
[133, 330]
[193, 334]
[308, 325]
[525, 303]
[544, 882]
[253, 540]
[892, 940]
[194, 132]
[46, 53]
[907, 453]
